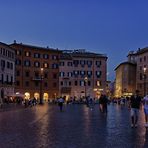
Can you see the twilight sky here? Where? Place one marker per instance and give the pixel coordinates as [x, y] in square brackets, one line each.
[112, 27]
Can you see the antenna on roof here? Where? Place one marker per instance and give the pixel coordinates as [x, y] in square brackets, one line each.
[14, 41]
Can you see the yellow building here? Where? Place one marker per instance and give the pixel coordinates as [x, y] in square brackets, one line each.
[125, 84]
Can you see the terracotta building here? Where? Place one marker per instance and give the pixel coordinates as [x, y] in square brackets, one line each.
[82, 74]
[37, 71]
[7, 69]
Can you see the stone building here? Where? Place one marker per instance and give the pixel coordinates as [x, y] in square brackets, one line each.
[7, 69]
[137, 75]
[82, 74]
[125, 84]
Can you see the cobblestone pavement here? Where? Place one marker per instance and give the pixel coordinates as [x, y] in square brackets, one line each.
[76, 127]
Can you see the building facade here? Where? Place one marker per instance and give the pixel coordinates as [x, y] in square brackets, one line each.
[125, 83]
[7, 69]
[142, 71]
[138, 60]
[82, 74]
[37, 71]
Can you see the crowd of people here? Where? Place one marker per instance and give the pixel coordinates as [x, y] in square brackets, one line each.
[134, 103]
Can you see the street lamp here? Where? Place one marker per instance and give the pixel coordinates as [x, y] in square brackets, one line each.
[41, 79]
[144, 76]
[85, 80]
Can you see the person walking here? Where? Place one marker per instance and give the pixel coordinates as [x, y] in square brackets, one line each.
[60, 103]
[135, 104]
[145, 103]
[103, 101]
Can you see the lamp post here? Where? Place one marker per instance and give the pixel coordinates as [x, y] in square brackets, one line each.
[85, 80]
[144, 76]
[41, 79]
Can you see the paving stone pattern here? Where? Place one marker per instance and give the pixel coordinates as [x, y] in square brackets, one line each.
[76, 127]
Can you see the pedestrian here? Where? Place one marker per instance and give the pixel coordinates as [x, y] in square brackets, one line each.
[60, 103]
[103, 101]
[145, 103]
[91, 103]
[135, 104]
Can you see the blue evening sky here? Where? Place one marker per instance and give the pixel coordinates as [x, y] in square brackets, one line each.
[112, 27]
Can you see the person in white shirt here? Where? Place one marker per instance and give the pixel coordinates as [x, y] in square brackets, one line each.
[60, 103]
[145, 103]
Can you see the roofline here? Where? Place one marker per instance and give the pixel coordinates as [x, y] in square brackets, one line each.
[4, 44]
[141, 51]
[37, 47]
[123, 63]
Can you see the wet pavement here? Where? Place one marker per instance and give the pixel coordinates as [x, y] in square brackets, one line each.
[76, 127]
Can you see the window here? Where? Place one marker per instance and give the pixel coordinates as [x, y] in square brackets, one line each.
[75, 62]
[27, 73]
[82, 73]
[36, 55]
[61, 83]
[54, 57]
[8, 65]
[18, 62]
[62, 63]
[27, 54]
[54, 66]
[11, 65]
[69, 83]
[45, 56]
[69, 74]
[18, 52]
[89, 63]
[82, 62]
[27, 63]
[36, 64]
[3, 63]
[69, 64]
[89, 73]
[140, 59]
[45, 65]
[76, 72]
[76, 83]
[98, 63]
[98, 83]
[98, 74]
[13, 55]
[82, 83]
[62, 74]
